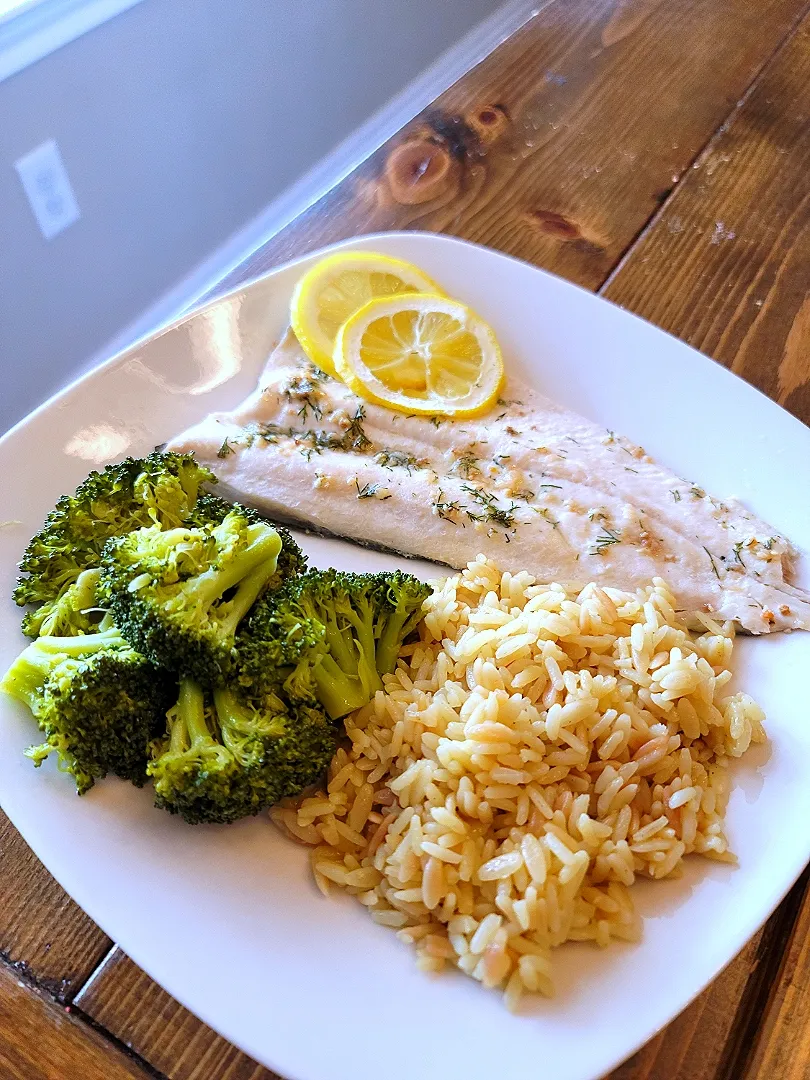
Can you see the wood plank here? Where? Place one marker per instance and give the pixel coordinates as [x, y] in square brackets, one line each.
[42, 1041]
[559, 146]
[43, 934]
[127, 1003]
[726, 266]
[782, 1042]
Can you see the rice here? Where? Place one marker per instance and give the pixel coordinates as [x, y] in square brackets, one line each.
[535, 752]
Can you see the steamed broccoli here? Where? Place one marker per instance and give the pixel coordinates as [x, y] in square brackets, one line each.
[178, 595]
[96, 700]
[404, 596]
[159, 489]
[223, 759]
[74, 612]
[212, 510]
[330, 636]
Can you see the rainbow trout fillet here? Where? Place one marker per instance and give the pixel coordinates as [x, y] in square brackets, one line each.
[531, 485]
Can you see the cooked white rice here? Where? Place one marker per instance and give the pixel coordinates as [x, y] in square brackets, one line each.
[533, 754]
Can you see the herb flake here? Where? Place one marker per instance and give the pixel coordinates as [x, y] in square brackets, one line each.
[445, 510]
[370, 491]
[490, 511]
[605, 540]
[711, 560]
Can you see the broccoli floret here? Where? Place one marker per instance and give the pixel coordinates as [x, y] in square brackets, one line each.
[74, 612]
[404, 597]
[330, 636]
[156, 490]
[211, 510]
[98, 702]
[223, 758]
[178, 595]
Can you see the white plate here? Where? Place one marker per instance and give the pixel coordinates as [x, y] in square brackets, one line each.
[226, 918]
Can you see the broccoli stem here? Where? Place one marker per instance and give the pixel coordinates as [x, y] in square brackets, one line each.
[82, 645]
[233, 719]
[226, 704]
[77, 599]
[364, 628]
[213, 583]
[86, 585]
[338, 642]
[28, 673]
[188, 726]
[338, 693]
[343, 648]
[397, 628]
[246, 595]
[25, 679]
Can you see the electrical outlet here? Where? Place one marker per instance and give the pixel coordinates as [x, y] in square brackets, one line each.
[46, 183]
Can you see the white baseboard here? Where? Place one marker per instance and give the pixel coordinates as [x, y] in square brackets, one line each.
[292, 202]
[38, 28]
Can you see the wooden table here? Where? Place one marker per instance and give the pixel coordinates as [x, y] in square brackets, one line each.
[654, 151]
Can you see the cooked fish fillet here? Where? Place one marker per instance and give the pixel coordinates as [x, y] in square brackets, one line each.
[531, 485]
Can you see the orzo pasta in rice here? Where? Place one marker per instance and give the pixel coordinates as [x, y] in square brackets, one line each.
[535, 752]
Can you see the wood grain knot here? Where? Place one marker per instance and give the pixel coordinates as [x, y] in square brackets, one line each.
[420, 170]
[554, 224]
[558, 227]
[488, 123]
[428, 164]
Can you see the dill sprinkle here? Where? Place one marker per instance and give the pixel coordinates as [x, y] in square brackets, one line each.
[490, 509]
[605, 540]
[711, 560]
[545, 513]
[446, 510]
[466, 465]
[356, 438]
[307, 405]
[369, 491]
[390, 459]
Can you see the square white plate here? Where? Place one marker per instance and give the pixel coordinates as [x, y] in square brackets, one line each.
[226, 918]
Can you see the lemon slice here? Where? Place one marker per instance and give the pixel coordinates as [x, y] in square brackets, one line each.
[420, 353]
[337, 286]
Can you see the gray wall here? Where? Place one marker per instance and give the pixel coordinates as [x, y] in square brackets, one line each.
[178, 121]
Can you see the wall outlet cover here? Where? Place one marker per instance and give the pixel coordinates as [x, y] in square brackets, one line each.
[45, 180]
